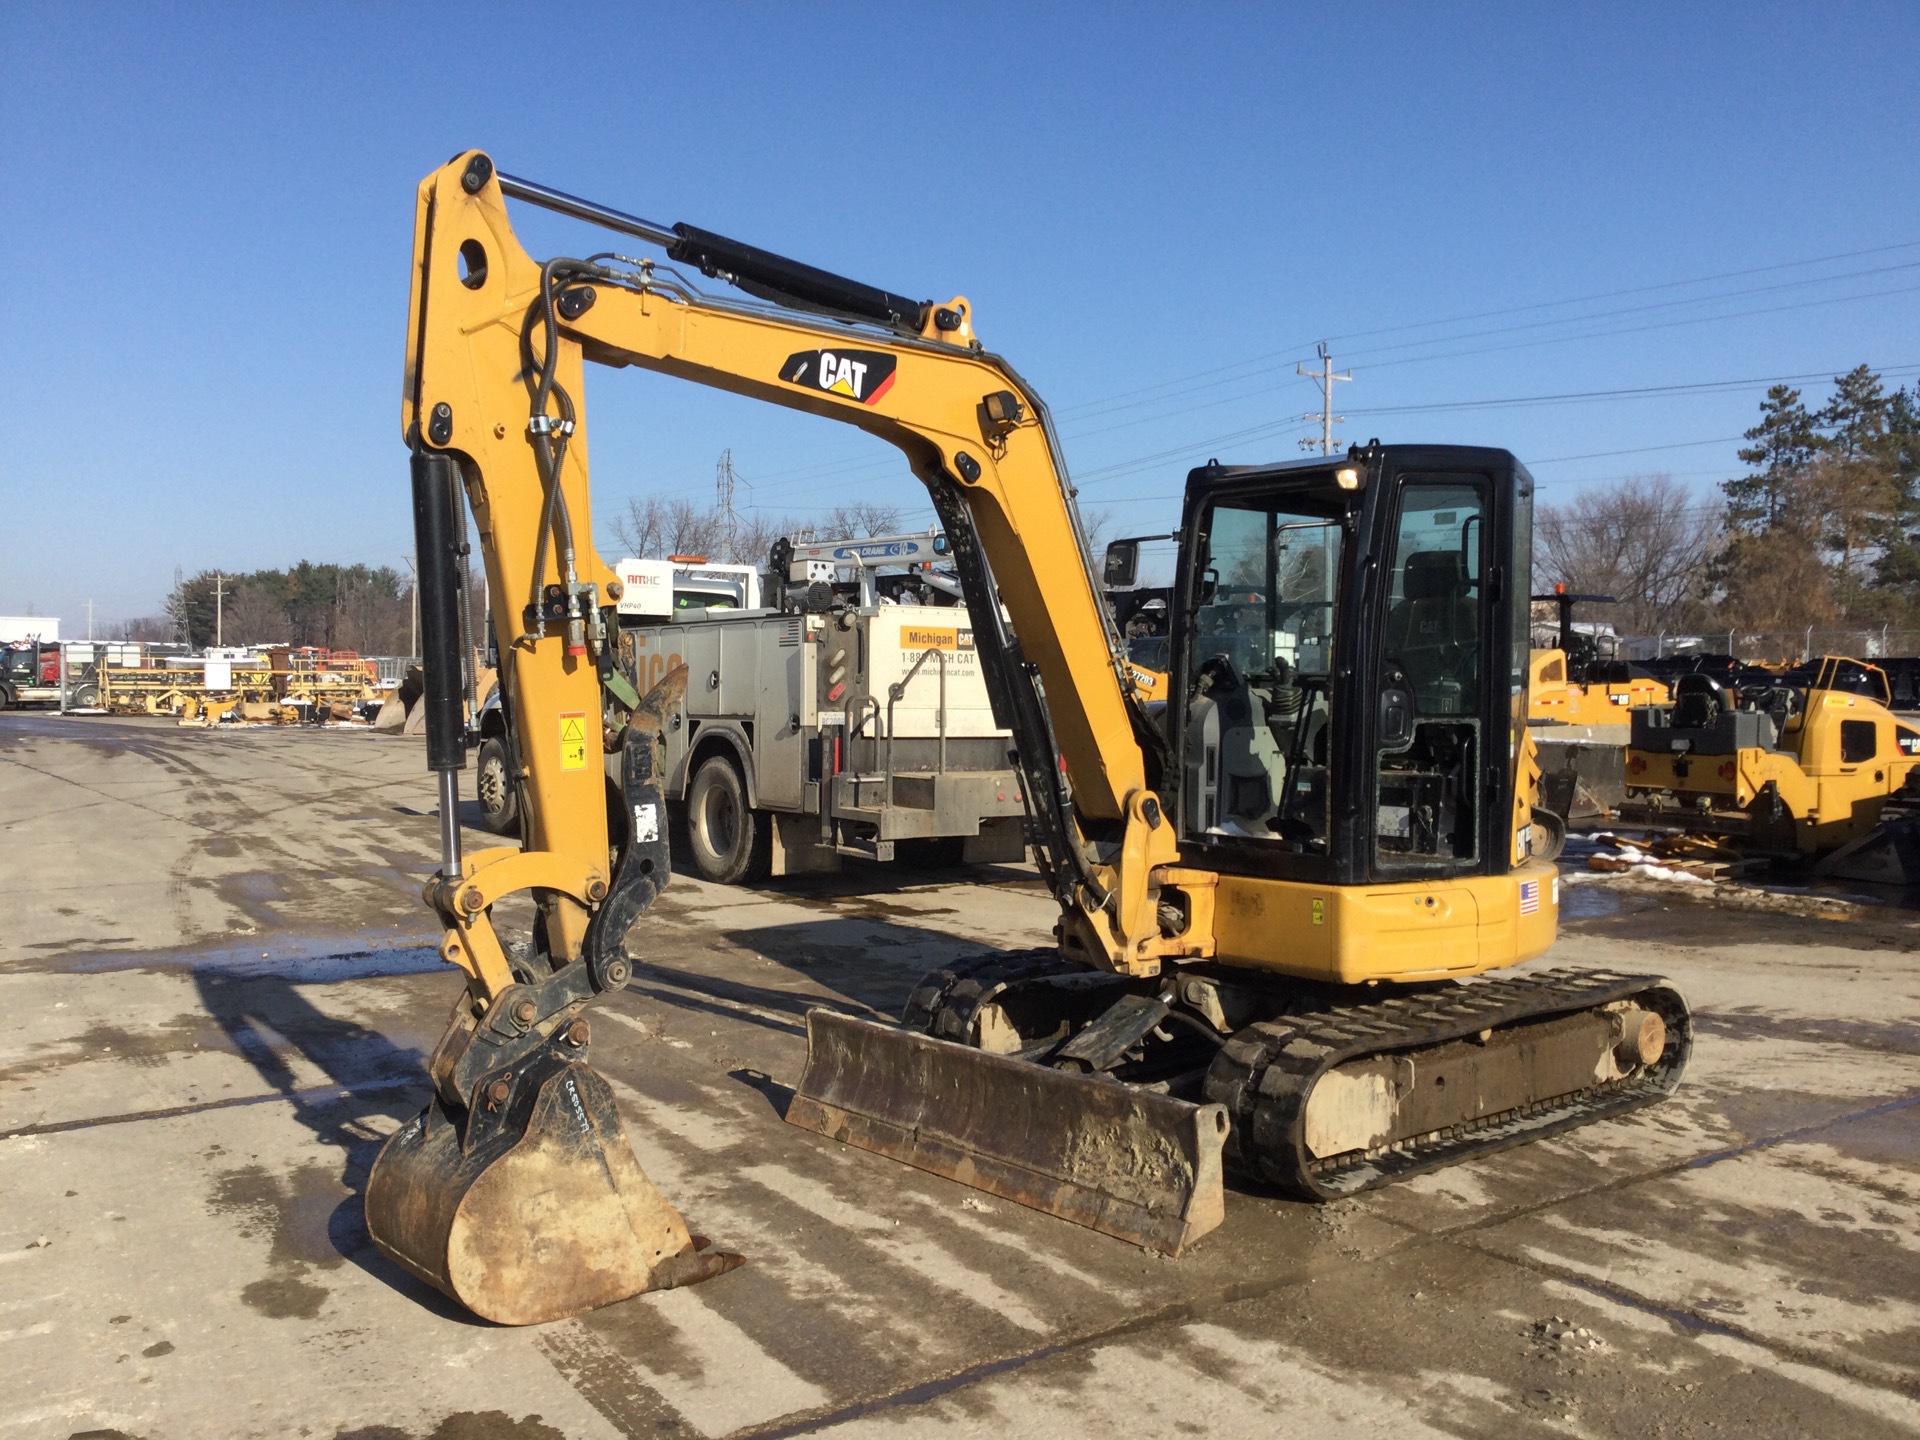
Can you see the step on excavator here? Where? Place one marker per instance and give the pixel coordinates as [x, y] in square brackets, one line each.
[1274, 897]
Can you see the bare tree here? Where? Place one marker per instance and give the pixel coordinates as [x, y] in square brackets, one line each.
[857, 519]
[1773, 582]
[1851, 503]
[654, 528]
[1645, 542]
[1094, 525]
[254, 618]
[754, 534]
[147, 628]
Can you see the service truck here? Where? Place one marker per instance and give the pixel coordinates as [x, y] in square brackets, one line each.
[831, 721]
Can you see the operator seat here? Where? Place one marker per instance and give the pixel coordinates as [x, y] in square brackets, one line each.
[1251, 772]
[1698, 701]
[1434, 630]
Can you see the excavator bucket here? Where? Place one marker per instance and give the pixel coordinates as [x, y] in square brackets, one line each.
[532, 1210]
[1124, 1161]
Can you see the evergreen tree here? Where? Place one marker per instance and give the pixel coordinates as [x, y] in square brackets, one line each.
[1855, 419]
[1783, 444]
[1854, 485]
[1898, 567]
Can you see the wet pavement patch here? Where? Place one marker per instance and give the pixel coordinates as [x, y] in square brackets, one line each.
[466, 1425]
[295, 1213]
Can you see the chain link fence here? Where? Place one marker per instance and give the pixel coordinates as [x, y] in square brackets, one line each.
[1776, 647]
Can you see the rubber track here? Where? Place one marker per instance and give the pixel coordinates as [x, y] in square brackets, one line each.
[1266, 1072]
[944, 1003]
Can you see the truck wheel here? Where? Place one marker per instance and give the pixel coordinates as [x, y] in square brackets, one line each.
[493, 784]
[729, 843]
[6, 697]
[87, 697]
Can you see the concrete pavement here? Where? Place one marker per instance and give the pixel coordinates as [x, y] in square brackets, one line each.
[222, 988]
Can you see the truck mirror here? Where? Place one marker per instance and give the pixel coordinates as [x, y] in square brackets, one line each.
[1123, 564]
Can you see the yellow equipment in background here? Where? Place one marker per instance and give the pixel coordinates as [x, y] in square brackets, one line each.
[1604, 700]
[1266, 898]
[1789, 771]
[1570, 684]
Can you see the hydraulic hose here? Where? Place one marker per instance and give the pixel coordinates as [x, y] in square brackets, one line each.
[549, 438]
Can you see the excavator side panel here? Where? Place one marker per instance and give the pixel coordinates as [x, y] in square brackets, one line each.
[1447, 929]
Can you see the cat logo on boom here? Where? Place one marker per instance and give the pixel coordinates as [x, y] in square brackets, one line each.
[863, 375]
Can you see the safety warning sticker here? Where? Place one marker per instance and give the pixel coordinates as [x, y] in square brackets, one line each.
[573, 740]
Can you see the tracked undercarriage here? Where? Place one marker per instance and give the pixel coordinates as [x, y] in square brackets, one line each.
[1302, 1087]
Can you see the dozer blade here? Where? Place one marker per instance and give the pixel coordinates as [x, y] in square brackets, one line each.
[1127, 1162]
[533, 1210]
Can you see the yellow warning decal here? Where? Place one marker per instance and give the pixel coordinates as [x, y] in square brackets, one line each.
[573, 740]
[1319, 912]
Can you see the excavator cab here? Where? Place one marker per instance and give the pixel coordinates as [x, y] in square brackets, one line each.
[1342, 628]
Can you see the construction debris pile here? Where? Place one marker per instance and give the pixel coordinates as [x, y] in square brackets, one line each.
[1691, 859]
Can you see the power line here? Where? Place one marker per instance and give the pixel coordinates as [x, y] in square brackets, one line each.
[1698, 387]
[782, 479]
[1292, 350]
[1639, 450]
[1643, 329]
[1267, 386]
[1120, 468]
[1327, 378]
[1661, 305]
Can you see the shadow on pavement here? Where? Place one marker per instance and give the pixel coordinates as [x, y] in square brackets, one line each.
[271, 1023]
[778, 1096]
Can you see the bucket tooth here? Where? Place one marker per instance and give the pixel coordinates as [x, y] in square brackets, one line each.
[533, 1210]
[1127, 1162]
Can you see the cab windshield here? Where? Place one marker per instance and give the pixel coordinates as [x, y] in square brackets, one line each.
[1259, 715]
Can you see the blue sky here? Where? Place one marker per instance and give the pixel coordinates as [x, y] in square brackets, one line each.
[1156, 211]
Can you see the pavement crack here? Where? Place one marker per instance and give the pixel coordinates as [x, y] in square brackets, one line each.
[318, 1094]
[1468, 1228]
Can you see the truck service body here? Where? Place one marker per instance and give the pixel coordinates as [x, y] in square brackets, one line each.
[880, 708]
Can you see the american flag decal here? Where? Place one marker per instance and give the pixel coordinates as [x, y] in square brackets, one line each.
[1529, 897]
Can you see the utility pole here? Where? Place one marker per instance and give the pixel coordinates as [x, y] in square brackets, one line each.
[219, 612]
[89, 620]
[1326, 376]
[723, 490]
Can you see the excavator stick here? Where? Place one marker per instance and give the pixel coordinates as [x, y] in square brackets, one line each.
[1124, 1161]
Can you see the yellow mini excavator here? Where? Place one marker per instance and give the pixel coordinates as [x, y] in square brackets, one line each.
[1269, 896]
